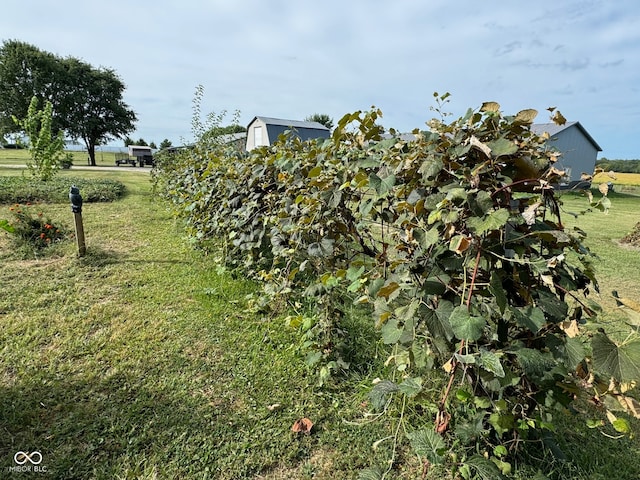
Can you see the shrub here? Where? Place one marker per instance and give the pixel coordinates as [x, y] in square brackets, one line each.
[29, 227]
[454, 239]
[56, 190]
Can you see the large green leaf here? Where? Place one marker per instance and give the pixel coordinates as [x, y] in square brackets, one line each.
[427, 443]
[391, 331]
[529, 317]
[438, 320]
[371, 473]
[426, 238]
[493, 221]
[496, 289]
[621, 362]
[381, 392]
[575, 352]
[382, 186]
[502, 422]
[535, 362]
[483, 468]
[323, 248]
[465, 326]
[484, 201]
[491, 363]
[411, 386]
[502, 146]
[552, 305]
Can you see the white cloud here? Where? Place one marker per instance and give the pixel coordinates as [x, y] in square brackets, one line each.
[289, 59]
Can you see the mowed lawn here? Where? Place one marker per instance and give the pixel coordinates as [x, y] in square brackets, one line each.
[144, 360]
[79, 158]
[140, 361]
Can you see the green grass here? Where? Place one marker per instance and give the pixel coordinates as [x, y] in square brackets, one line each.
[142, 360]
[617, 266]
[21, 156]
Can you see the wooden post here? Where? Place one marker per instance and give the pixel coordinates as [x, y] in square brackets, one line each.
[76, 208]
[82, 248]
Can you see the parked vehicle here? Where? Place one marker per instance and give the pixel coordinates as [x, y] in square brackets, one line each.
[139, 155]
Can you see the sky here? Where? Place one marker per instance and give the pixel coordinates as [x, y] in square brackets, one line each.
[290, 59]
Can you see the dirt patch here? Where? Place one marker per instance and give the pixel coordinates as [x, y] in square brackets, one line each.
[633, 239]
[319, 466]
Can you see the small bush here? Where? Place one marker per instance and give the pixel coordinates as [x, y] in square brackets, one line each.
[33, 229]
[67, 161]
[23, 190]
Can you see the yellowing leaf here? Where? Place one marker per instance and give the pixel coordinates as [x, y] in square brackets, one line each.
[387, 290]
[570, 328]
[526, 116]
[604, 188]
[490, 107]
[529, 214]
[314, 172]
[558, 118]
[448, 366]
[630, 405]
[554, 172]
[480, 146]
[459, 244]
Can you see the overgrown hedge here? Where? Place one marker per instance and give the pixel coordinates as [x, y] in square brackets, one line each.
[455, 241]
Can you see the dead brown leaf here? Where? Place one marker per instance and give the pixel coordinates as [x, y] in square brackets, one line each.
[302, 425]
[604, 189]
[442, 422]
[570, 328]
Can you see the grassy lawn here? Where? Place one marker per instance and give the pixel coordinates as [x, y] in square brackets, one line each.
[142, 360]
[21, 156]
[617, 266]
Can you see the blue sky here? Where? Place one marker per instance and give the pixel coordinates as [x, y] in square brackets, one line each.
[290, 59]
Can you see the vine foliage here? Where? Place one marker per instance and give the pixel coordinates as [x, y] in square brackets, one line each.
[45, 148]
[452, 238]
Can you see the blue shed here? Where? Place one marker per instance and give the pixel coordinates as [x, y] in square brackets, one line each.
[578, 149]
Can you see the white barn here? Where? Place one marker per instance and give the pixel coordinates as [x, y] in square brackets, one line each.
[265, 130]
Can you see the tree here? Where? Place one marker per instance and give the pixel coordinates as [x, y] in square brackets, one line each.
[166, 143]
[45, 148]
[93, 105]
[153, 145]
[322, 118]
[25, 72]
[87, 101]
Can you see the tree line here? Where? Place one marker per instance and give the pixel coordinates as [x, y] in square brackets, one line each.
[621, 166]
[87, 101]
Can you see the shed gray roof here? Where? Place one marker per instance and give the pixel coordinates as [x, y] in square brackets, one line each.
[303, 130]
[553, 129]
[290, 123]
